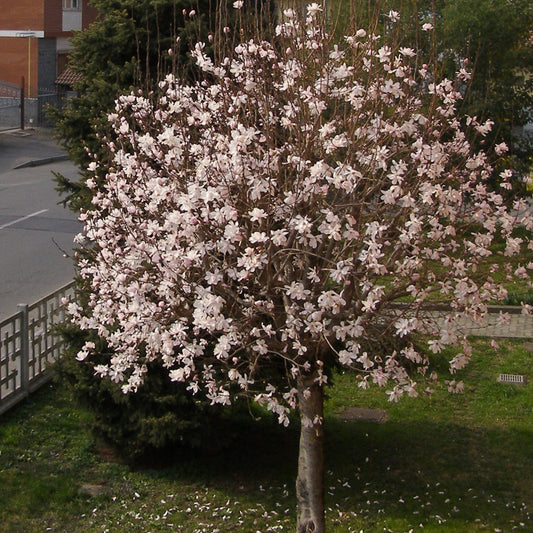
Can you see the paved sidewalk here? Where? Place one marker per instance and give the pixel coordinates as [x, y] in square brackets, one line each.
[30, 147]
[507, 323]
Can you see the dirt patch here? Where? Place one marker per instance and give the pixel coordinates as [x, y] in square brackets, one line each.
[94, 490]
[110, 454]
[360, 413]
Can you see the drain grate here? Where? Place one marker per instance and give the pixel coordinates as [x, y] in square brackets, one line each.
[512, 378]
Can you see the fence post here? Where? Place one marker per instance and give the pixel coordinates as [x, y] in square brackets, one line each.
[22, 97]
[25, 350]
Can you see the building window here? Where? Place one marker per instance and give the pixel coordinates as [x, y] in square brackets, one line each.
[71, 4]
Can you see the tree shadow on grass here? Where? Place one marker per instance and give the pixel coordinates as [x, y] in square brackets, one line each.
[423, 471]
[409, 472]
[255, 452]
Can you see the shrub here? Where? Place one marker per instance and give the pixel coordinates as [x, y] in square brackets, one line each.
[159, 421]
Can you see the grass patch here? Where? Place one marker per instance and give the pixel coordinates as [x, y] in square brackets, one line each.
[446, 463]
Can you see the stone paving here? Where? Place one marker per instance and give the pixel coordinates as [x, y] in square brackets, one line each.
[499, 324]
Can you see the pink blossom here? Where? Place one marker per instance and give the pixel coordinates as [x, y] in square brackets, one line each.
[305, 198]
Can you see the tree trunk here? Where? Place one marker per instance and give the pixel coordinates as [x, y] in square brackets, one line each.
[310, 480]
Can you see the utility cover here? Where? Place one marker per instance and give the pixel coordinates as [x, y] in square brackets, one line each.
[512, 378]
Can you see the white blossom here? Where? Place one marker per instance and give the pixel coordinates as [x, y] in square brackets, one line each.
[305, 198]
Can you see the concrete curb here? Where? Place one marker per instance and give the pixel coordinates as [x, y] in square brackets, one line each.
[511, 309]
[39, 162]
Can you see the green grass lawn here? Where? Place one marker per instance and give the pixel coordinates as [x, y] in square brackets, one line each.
[461, 463]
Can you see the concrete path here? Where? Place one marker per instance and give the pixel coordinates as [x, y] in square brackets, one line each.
[500, 323]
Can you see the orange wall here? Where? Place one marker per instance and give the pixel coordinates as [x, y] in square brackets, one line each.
[14, 62]
[21, 14]
[89, 14]
[17, 52]
[52, 16]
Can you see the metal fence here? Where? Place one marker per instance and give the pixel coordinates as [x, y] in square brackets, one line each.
[28, 344]
[35, 110]
[9, 94]
[47, 98]
[10, 100]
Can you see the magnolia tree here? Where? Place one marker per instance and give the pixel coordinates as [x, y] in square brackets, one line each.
[257, 227]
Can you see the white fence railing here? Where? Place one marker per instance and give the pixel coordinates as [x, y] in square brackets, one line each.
[28, 344]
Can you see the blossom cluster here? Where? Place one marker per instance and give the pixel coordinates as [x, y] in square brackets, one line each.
[262, 222]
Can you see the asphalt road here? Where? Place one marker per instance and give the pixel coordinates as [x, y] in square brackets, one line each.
[35, 232]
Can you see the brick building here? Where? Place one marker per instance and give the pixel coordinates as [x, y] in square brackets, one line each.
[34, 39]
